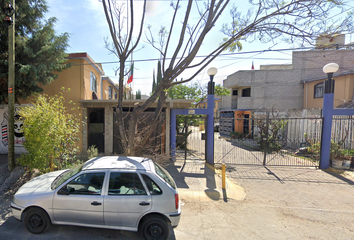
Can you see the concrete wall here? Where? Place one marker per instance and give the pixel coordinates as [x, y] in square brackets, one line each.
[282, 87]
[18, 138]
[279, 88]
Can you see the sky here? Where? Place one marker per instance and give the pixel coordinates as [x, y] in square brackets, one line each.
[85, 21]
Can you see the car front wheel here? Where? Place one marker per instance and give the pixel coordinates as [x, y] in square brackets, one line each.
[155, 228]
[36, 220]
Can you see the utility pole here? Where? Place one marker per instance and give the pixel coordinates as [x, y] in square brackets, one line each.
[9, 10]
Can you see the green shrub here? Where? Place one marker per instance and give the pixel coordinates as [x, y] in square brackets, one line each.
[92, 152]
[51, 134]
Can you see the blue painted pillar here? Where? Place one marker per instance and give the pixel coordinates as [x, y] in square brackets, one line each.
[210, 130]
[173, 124]
[327, 115]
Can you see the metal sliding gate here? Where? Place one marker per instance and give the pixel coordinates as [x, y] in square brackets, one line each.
[191, 137]
[268, 140]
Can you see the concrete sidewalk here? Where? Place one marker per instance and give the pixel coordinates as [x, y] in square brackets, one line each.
[198, 181]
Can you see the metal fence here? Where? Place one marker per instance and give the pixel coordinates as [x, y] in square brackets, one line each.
[269, 141]
[266, 140]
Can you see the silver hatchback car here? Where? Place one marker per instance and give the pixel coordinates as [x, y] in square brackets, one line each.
[125, 193]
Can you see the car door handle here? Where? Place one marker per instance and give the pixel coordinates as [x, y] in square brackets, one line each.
[96, 203]
[144, 203]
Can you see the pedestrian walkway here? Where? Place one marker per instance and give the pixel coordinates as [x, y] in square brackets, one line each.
[198, 181]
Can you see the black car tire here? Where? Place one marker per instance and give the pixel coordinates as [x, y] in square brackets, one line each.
[36, 220]
[155, 228]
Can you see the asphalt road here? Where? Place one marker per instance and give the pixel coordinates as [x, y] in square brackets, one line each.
[280, 203]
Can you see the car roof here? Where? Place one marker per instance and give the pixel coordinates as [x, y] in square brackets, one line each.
[118, 162]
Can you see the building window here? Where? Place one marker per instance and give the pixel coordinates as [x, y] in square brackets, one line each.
[318, 93]
[115, 95]
[93, 82]
[109, 92]
[234, 92]
[246, 92]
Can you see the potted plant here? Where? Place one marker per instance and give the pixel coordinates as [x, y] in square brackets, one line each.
[337, 156]
[349, 159]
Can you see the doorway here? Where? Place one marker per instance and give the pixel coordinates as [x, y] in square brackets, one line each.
[96, 128]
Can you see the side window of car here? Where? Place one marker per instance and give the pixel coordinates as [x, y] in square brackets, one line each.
[121, 183]
[153, 188]
[87, 184]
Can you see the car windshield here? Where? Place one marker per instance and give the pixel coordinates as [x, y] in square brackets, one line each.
[165, 175]
[65, 176]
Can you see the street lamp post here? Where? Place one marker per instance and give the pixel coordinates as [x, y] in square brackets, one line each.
[210, 119]
[327, 114]
[330, 69]
[211, 85]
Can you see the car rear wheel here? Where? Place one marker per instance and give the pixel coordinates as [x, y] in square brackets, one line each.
[155, 228]
[36, 220]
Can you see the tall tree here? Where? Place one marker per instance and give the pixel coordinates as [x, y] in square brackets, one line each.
[193, 91]
[184, 91]
[153, 82]
[159, 73]
[178, 46]
[39, 51]
[138, 94]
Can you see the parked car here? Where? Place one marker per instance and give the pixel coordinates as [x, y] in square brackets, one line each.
[123, 193]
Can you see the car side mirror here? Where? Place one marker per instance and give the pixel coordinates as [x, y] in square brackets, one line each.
[63, 191]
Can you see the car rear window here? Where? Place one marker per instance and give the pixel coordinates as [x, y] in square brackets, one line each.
[164, 175]
[153, 188]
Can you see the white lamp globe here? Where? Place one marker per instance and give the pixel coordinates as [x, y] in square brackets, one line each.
[212, 71]
[330, 68]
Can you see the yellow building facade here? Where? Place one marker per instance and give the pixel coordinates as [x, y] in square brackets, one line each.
[314, 90]
[85, 81]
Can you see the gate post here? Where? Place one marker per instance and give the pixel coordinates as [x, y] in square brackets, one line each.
[327, 115]
[266, 140]
[173, 134]
[210, 130]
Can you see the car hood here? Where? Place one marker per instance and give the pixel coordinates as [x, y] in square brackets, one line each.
[40, 184]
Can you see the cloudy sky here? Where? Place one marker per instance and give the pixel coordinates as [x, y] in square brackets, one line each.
[85, 21]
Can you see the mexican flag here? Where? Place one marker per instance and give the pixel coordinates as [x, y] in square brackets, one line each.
[130, 79]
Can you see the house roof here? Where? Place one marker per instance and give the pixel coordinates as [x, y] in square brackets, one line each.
[324, 78]
[172, 103]
[111, 82]
[86, 57]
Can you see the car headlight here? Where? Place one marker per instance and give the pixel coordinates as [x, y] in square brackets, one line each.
[14, 200]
